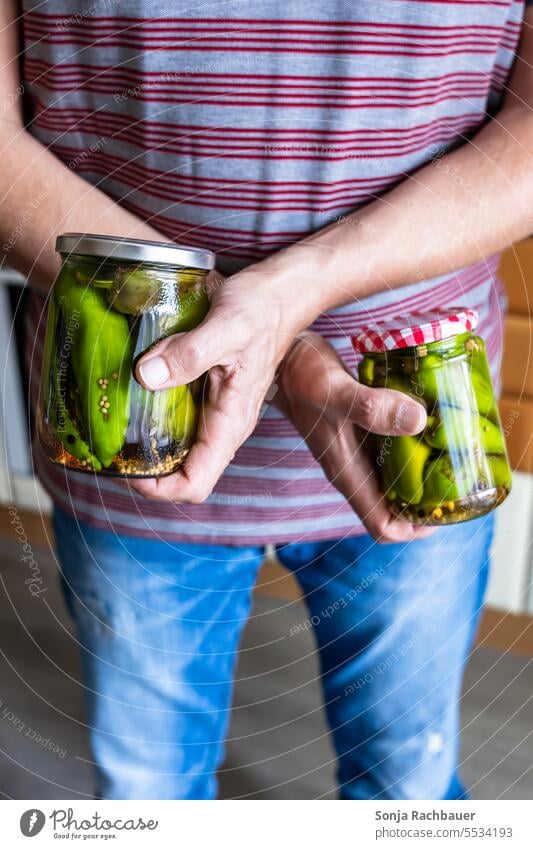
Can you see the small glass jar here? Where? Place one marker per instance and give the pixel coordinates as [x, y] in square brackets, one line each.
[112, 300]
[457, 468]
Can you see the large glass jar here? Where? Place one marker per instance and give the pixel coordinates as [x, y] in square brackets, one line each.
[457, 468]
[112, 300]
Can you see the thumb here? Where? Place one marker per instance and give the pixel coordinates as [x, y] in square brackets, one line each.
[382, 411]
[182, 358]
[315, 376]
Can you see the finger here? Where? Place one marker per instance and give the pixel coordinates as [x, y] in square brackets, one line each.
[381, 411]
[182, 358]
[357, 481]
[318, 377]
[349, 469]
[227, 420]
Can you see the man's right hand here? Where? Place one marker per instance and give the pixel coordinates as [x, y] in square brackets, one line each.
[334, 414]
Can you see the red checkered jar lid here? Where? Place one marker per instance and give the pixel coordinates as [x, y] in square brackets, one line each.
[419, 328]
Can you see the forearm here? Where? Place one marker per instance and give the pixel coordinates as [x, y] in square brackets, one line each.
[459, 208]
[42, 197]
[456, 210]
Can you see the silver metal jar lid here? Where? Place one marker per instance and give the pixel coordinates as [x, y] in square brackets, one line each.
[134, 250]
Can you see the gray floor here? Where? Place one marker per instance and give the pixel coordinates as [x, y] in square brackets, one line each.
[278, 747]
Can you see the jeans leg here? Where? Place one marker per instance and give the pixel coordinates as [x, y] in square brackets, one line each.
[158, 626]
[394, 625]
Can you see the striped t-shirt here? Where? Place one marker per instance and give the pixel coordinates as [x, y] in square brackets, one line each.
[241, 127]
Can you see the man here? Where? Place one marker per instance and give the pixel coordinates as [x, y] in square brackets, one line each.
[257, 131]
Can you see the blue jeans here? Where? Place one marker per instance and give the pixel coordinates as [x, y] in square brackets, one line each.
[159, 626]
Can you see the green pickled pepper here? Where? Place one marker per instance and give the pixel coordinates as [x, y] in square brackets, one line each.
[64, 427]
[101, 279]
[400, 384]
[134, 290]
[174, 413]
[101, 363]
[492, 440]
[460, 430]
[436, 384]
[366, 371]
[193, 307]
[403, 462]
[484, 397]
[444, 481]
[425, 379]
[137, 290]
[500, 473]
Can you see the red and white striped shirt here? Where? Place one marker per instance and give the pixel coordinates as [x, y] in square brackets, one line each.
[242, 131]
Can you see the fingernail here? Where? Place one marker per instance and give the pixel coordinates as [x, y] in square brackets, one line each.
[154, 371]
[412, 418]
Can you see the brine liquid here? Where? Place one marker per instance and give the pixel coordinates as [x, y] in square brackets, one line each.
[452, 512]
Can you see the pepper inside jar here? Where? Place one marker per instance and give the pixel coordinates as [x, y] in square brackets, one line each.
[111, 302]
[457, 468]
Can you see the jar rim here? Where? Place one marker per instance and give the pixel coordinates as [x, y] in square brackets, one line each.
[135, 250]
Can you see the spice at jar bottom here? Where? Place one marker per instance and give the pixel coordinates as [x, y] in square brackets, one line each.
[457, 468]
[112, 300]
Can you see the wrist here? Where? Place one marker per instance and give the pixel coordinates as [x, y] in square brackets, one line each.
[291, 284]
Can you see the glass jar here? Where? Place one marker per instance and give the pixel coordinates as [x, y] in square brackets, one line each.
[112, 300]
[457, 468]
